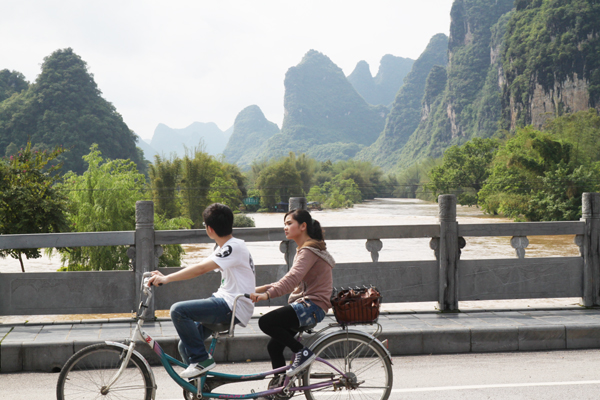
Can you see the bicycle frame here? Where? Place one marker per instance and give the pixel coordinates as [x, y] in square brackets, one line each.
[212, 378]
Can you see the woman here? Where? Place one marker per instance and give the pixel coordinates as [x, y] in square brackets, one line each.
[310, 283]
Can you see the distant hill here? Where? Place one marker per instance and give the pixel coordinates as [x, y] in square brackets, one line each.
[382, 88]
[149, 151]
[250, 131]
[63, 107]
[405, 114]
[168, 140]
[322, 108]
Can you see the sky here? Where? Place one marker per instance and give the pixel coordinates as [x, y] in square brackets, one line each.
[178, 62]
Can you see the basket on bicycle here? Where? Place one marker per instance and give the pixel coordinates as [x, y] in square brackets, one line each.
[356, 306]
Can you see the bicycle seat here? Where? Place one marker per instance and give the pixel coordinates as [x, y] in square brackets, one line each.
[218, 328]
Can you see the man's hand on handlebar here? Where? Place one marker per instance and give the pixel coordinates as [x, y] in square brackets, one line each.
[157, 279]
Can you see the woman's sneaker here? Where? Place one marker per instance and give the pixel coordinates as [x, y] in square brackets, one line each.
[197, 369]
[302, 360]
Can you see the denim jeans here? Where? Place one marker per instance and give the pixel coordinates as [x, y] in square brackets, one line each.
[308, 313]
[188, 317]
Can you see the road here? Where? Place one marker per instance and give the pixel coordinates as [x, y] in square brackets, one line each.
[541, 375]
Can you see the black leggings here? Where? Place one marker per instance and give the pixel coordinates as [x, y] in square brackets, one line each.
[280, 325]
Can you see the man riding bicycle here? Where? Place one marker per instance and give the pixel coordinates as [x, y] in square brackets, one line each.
[233, 260]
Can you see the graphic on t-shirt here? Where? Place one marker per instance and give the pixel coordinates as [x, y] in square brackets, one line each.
[251, 263]
[225, 251]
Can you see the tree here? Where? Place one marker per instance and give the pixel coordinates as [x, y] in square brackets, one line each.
[225, 191]
[337, 193]
[531, 165]
[198, 172]
[278, 182]
[165, 176]
[103, 199]
[464, 170]
[29, 200]
[559, 197]
[366, 175]
[582, 130]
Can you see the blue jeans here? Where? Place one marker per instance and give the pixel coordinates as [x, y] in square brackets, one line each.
[308, 313]
[188, 317]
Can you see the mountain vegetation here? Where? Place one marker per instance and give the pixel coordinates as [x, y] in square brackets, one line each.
[322, 108]
[63, 107]
[250, 132]
[510, 64]
[405, 114]
[551, 60]
[381, 89]
[469, 104]
[11, 82]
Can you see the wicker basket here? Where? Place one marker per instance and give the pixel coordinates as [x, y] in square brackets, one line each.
[356, 306]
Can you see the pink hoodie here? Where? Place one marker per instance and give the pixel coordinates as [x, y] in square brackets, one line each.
[310, 277]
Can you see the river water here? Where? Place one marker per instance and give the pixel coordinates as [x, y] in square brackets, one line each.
[374, 212]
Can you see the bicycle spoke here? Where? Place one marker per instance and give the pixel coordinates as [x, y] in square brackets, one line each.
[364, 362]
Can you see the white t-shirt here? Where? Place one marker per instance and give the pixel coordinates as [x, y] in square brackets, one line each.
[237, 276]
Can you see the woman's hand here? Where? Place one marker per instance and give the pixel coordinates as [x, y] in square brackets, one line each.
[157, 279]
[258, 297]
[263, 288]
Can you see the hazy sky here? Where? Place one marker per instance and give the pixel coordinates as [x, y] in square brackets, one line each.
[177, 62]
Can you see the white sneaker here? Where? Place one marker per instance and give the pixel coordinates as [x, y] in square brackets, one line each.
[197, 369]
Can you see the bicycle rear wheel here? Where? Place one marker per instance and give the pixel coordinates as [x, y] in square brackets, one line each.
[87, 372]
[364, 361]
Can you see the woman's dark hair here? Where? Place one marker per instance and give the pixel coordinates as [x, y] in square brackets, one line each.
[220, 218]
[313, 227]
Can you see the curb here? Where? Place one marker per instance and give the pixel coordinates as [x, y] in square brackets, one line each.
[50, 356]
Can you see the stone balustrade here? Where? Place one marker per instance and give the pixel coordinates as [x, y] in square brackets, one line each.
[447, 279]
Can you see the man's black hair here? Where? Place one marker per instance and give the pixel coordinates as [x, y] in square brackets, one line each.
[220, 218]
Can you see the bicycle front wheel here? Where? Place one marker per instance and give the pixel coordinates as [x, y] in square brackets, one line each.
[87, 372]
[364, 361]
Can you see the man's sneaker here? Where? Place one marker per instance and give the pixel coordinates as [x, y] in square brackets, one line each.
[196, 369]
[302, 360]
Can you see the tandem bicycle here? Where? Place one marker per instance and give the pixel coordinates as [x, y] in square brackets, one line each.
[350, 363]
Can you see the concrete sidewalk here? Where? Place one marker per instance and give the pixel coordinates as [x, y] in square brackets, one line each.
[47, 346]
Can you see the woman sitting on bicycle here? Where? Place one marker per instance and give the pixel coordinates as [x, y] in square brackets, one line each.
[310, 283]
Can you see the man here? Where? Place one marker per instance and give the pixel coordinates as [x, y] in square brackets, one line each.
[233, 260]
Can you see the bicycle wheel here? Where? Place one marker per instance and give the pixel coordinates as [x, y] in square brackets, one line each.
[87, 372]
[365, 363]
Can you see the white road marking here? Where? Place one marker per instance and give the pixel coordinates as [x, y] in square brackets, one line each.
[473, 387]
[494, 386]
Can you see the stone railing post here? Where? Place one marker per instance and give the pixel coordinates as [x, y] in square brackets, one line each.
[591, 249]
[448, 253]
[297, 202]
[144, 248]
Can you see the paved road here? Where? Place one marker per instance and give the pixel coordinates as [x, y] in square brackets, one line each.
[540, 375]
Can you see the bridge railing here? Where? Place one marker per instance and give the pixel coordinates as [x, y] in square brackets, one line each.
[446, 279]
